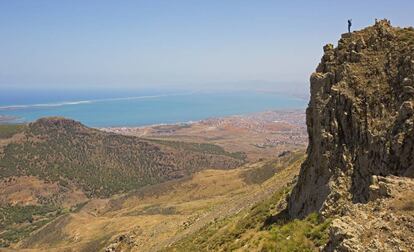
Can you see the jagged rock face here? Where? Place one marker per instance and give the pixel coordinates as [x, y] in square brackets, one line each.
[360, 119]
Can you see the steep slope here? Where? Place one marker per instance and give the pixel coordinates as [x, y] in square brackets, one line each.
[248, 229]
[361, 141]
[102, 164]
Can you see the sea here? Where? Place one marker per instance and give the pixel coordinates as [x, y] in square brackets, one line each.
[129, 108]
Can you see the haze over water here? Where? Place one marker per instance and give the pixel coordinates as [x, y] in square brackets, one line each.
[145, 107]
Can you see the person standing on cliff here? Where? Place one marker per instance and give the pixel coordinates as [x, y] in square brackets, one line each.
[349, 25]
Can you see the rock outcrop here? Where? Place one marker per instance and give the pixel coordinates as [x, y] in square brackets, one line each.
[385, 223]
[360, 122]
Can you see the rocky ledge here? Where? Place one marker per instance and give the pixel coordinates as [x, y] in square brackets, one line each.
[360, 123]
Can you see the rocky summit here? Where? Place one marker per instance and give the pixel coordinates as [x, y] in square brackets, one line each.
[359, 168]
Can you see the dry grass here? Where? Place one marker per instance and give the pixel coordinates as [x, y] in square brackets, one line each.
[8, 130]
[159, 214]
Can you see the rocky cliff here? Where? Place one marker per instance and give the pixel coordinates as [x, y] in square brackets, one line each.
[361, 128]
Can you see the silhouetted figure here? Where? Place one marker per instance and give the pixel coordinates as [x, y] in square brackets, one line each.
[349, 25]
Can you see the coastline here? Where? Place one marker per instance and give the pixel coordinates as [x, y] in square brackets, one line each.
[260, 135]
[191, 122]
[8, 119]
[145, 110]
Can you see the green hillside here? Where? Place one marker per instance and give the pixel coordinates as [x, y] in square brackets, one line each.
[102, 164]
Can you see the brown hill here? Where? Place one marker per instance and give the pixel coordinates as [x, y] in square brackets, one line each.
[102, 164]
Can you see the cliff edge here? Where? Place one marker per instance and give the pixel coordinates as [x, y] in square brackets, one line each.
[360, 123]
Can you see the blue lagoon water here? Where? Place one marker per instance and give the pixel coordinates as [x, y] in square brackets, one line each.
[109, 109]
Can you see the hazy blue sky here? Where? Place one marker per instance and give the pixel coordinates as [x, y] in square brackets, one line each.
[191, 43]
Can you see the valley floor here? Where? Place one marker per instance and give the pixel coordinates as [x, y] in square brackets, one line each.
[261, 135]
